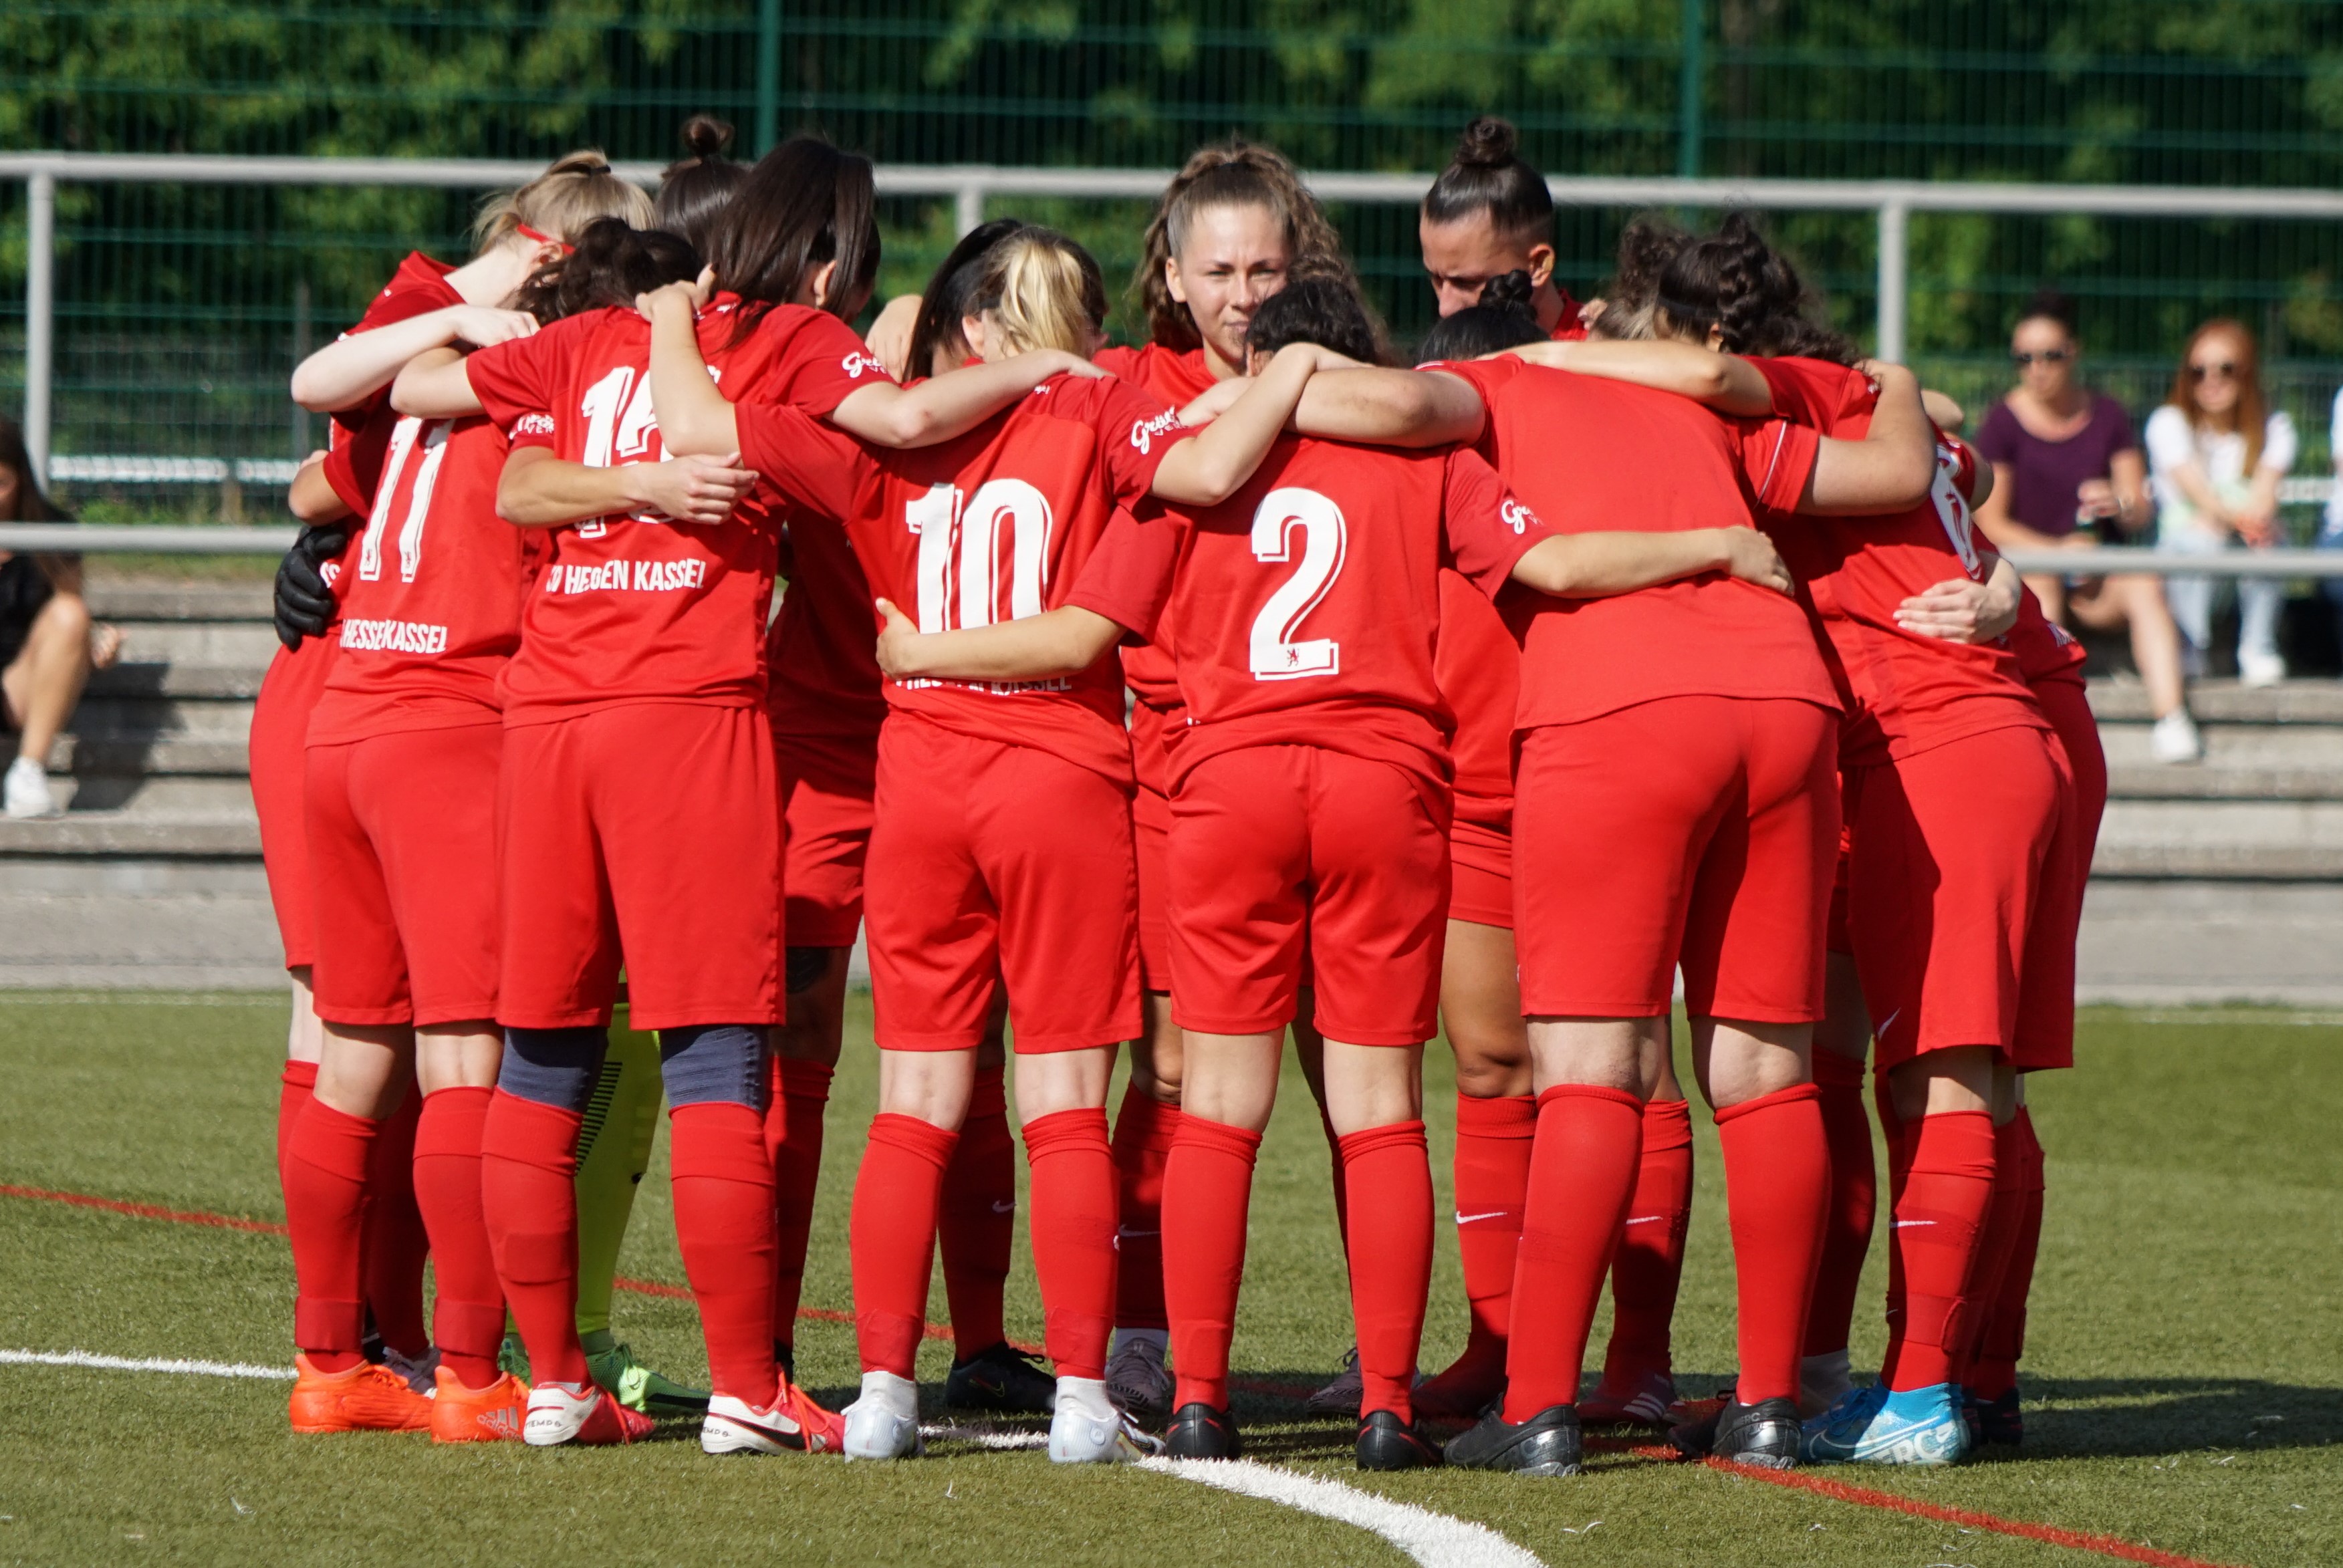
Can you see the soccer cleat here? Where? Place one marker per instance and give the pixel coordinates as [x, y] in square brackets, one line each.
[422, 1375]
[28, 791]
[1137, 1379]
[1765, 1434]
[1875, 1426]
[1200, 1431]
[1997, 1420]
[613, 1365]
[512, 1356]
[1086, 1428]
[792, 1424]
[1823, 1382]
[1387, 1442]
[884, 1422]
[491, 1414]
[1341, 1396]
[1645, 1402]
[590, 1415]
[1464, 1391]
[1545, 1445]
[366, 1398]
[1001, 1379]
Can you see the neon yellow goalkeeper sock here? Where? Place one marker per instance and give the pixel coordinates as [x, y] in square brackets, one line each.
[614, 1148]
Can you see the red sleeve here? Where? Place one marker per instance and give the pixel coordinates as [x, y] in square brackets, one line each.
[534, 429]
[523, 376]
[1965, 464]
[1779, 458]
[1485, 376]
[815, 465]
[1129, 575]
[392, 304]
[1817, 392]
[823, 364]
[1489, 528]
[1138, 430]
[1119, 360]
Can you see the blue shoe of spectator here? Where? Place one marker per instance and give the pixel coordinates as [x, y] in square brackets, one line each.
[1875, 1426]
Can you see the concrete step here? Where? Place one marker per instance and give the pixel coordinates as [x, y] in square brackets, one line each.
[123, 833]
[119, 601]
[222, 642]
[151, 753]
[208, 682]
[2117, 701]
[168, 795]
[123, 718]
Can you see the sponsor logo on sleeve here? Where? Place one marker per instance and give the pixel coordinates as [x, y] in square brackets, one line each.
[858, 365]
[1515, 516]
[1143, 433]
[534, 425]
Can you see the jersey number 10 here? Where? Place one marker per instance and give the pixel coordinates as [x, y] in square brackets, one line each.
[962, 563]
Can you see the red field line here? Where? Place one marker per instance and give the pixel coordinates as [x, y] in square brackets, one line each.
[1796, 1479]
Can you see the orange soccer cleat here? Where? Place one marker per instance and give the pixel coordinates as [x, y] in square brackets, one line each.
[366, 1398]
[491, 1414]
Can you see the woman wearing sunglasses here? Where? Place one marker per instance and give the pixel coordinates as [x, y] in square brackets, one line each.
[2068, 474]
[2218, 451]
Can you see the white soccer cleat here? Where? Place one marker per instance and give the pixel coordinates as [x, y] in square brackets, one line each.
[2175, 739]
[1086, 1428]
[28, 791]
[1136, 1377]
[559, 1415]
[793, 1424]
[2260, 668]
[884, 1423]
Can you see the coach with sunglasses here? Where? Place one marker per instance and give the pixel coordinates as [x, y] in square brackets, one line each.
[2068, 475]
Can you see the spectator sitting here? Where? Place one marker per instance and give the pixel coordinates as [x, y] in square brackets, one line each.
[2331, 532]
[2065, 471]
[47, 643]
[2217, 454]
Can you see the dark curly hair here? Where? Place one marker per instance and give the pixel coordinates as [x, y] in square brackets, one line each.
[1734, 281]
[1323, 310]
[1505, 319]
[609, 267]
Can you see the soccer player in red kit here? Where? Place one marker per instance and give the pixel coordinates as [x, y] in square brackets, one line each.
[1718, 850]
[426, 303]
[1489, 214]
[1018, 874]
[1310, 792]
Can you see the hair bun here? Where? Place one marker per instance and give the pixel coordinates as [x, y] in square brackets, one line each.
[1509, 291]
[1488, 142]
[706, 137]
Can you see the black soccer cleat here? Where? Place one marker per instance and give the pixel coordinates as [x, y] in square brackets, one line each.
[1200, 1431]
[1998, 1421]
[1387, 1442]
[1001, 1379]
[1545, 1445]
[1764, 1434]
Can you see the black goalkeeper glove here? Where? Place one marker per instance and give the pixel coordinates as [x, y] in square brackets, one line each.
[305, 604]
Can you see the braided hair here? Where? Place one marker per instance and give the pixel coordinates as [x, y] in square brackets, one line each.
[1733, 282]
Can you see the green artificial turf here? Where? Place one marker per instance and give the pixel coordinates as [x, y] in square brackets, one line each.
[2186, 1351]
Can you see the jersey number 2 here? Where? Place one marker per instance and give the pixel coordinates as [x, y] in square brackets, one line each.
[1275, 654]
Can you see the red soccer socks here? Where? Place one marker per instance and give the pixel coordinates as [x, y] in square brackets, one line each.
[396, 1245]
[1853, 1201]
[1073, 1224]
[1778, 1186]
[1143, 1130]
[1649, 1263]
[1387, 1172]
[794, 1109]
[1207, 1189]
[1493, 1138]
[528, 1192]
[1583, 1172]
[978, 1221]
[326, 1159]
[1941, 1178]
[467, 1312]
[723, 1183]
[893, 1237]
[2018, 1204]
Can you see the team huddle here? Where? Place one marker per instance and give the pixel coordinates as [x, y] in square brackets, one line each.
[1163, 699]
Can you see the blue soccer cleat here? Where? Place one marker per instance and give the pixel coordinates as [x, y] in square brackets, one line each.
[1875, 1426]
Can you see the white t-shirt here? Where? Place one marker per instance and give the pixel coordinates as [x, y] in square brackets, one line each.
[2172, 443]
[2334, 528]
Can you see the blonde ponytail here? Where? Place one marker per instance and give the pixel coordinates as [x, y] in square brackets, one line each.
[574, 190]
[1042, 291]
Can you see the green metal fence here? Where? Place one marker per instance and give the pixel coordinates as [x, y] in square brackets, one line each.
[180, 307]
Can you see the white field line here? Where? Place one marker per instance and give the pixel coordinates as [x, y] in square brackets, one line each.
[1434, 1540]
[155, 1364]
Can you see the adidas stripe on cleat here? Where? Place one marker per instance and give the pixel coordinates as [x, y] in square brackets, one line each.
[491, 1414]
[1645, 1401]
[366, 1398]
[593, 1417]
[793, 1424]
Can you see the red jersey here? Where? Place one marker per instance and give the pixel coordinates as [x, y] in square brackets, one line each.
[994, 526]
[432, 594]
[1309, 603]
[1593, 457]
[1568, 329]
[1903, 691]
[360, 437]
[1479, 670]
[1149, 669]
[2045, 649]
[635, 608]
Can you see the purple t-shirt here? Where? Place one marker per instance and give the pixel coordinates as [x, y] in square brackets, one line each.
[2046, 477]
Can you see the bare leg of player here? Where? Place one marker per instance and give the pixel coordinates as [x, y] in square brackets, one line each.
[1841, 1044]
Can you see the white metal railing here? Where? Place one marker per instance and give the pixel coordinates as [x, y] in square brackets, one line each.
[971, 186]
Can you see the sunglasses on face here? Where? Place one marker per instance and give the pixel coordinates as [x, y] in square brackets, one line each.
[2224, 369]
[2046, 357]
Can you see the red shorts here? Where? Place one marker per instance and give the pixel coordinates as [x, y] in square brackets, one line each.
[1952, 849]
[1835, 938]
[1480, 874]
[280, 735]
[1276, 849]
[993, 865]
[1150, 832]
[826, 784]
[1698, 831]
[2046, 1009]
[650, 831]
[402, 833]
